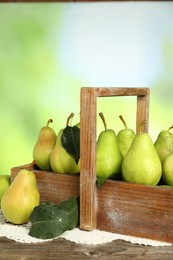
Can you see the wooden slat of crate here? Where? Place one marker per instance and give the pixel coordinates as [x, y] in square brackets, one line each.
[53, 187]
[88, 110]
[136, 210]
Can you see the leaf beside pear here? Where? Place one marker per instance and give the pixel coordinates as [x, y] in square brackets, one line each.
[50, 220]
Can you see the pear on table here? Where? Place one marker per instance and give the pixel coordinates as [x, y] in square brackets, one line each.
[62, 161]
[164, 143]
[125, 137]
[108, 154]
[44, 146]
[20, 198]
[141, 164]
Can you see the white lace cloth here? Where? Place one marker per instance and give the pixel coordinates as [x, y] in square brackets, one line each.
[19, 233]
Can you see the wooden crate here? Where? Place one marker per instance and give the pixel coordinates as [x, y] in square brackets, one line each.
[120, 207]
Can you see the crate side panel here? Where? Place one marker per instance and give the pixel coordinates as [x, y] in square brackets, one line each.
[136, 210]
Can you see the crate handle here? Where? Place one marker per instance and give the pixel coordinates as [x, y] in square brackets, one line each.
[88, 108]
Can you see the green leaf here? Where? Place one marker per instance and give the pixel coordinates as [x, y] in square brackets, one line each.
[50, 228]
[71, 207]
[71, 141]
[49, 220]
[45, 211]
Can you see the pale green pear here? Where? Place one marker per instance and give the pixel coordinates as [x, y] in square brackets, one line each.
[60, 160]
[20, 198]
[78, 124]
[5, 181]
[164, 143]
[108, 155]
[165, 186]
[141, 164]
[44, 147]
[167, 169]
[125, 137]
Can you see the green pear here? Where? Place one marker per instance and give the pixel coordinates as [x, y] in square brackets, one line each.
[125, 138]
[78, 124]
[44, 146]
[108, 155]
[4, 184]
[20, 198]
[164, 143]
[165, 186]
[60, 160]
[167, 169]
[141, 164]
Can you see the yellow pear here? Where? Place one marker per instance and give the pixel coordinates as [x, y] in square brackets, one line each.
[60, 160]
[4, 184]
[44, 146]
[20, 198]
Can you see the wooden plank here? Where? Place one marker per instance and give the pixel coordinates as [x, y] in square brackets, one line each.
[53, 187]
[64, 250]
[87, 159]
[143, 110]
[118, 91]
[136, 210]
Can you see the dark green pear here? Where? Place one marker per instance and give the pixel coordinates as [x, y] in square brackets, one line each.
[125, 137]
[141, 164]
[44, 146]
[108, 155]
[164, 143]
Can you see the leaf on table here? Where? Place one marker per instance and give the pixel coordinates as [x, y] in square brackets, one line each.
[71, 141]
[50, 220]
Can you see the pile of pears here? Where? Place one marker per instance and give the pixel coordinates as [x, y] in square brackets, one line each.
[125, 156]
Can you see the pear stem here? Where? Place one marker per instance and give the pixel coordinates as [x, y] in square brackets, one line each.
[49, 121]
[68, 118]
[122, 119]
[103, 119]
[170, 127]
[141, 127]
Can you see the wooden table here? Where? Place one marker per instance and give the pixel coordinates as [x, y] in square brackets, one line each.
[62, 249]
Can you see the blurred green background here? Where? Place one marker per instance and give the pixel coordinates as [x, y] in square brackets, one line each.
[49, 51]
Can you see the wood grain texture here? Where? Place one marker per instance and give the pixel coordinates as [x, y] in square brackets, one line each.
[87, 160]
[136, 210]
[65, 250]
